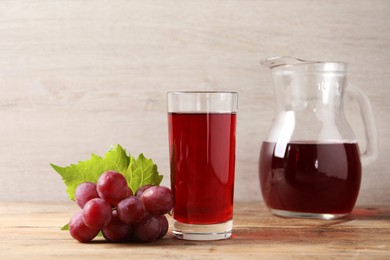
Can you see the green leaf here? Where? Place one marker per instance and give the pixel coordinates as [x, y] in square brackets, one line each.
[66, 227]
[117, 159]
[83, 171]
[141, 171]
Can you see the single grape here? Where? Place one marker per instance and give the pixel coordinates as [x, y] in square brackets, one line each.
[158, 200]
[97, 213]
[163, 224]
[131, 210]
[112, 187]
[117, 231]
[79, 231]
[129, 192]
[148, 229]
[85, 192]
[142, 189]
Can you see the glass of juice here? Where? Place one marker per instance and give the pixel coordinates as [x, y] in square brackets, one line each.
[202, 143]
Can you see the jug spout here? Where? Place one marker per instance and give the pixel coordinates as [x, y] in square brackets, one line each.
[308, 65]
[282, 61]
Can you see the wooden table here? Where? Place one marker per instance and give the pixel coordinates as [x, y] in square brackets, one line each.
[32, 231]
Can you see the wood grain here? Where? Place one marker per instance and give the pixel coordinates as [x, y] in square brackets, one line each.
[78, 76]
[31, 231]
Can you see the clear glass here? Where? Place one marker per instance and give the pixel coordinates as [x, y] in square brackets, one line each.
[202, 129]
[310, 162]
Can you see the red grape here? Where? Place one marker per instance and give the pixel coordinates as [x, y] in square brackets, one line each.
[142, 189]
[112, 187]
[131, 210]
[85, 192]
[79, 231]
[148, 229]
[163, 224]
[117, 231]
[97, 213]
[136, 218]
[158, 200]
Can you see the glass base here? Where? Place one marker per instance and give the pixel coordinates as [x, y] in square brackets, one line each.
[294, 214]
[202, 231]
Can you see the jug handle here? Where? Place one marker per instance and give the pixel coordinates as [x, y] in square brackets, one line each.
[371, 152]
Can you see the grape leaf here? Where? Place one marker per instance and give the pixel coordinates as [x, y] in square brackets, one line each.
[137, 172]
[83, 171]
[140, 172]
[117, 159]
[66, 227]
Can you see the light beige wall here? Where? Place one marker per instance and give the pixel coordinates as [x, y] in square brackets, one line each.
[78, 76]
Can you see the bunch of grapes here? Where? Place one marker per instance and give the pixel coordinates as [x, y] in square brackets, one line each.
[111, 207]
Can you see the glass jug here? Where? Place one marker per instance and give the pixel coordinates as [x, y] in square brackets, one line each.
[310, 162]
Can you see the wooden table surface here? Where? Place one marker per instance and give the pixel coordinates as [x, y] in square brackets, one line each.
[32, 231]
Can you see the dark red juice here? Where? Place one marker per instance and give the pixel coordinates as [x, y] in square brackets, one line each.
[202, 157]
[310, 177]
